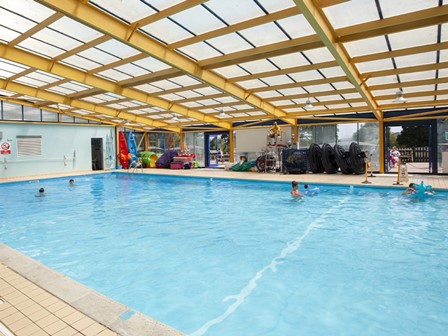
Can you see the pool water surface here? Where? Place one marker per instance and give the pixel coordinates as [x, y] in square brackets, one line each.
[218, 257]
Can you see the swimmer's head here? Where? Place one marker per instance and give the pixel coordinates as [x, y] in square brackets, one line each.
[41, 190]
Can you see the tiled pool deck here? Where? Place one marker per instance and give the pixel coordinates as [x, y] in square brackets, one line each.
[37, 301]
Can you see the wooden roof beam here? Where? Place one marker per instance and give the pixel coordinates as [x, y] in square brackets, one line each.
[318, 21]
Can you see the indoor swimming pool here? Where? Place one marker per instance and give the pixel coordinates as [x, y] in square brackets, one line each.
[218, 257]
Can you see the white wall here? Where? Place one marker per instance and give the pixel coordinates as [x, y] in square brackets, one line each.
[252, 142]
[65, 148]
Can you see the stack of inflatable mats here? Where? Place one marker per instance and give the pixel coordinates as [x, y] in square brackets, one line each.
[295, 161]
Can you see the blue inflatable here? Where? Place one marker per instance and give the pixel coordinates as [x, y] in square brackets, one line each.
[311, 191]
[422, 190]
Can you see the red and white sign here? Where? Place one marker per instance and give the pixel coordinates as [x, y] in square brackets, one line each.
[5, 148]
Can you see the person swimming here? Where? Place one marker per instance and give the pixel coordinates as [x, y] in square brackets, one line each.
[295, 189]
[41, 193]
[311, 191]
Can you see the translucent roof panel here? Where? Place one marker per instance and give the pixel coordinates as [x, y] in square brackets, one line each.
[233, 11]
[42, 48]
[80, 62]
[200, 51]
[383, 64]
[54, 37]
[133, 11]
[264, 34]
[229, 43]
[189, 20]
[305, 76]
[118, 49]
[151, 64]
[258, 66]
[296, 26]
[275, 6]
[166, 31]
[394, 8]
[318, 55]
[74, 29]
[351, 13]
[27, 8]
[417, 59]
[367, 46]
[413, 38]
[289, 60]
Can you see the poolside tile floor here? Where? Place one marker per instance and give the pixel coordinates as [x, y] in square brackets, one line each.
[28, 307]
[28, 310]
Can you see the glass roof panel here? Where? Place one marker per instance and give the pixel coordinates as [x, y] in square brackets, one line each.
[30, 81]
[28, 8]
[189, 94]
[75, 86]
[74, 29]
[133, 11]
[207, 91]
[351, 95]
[418, 76]
[343, 85]
[264, 34]
[6, 93]
[394, 8]
[381, 80]
[420, 88]
[275, 80]
[332, 72]
[412, 38]
[44, 78]
[185, 80]
[148, 88]
[384, 64]
[200, 51]
[7, 35]
[12, 66]
[167, 31]
[258, 66]
[15, 22]
[171, 96]
[189, 19]
[417, 59]
[191, 104]
[227, 99]
[113, 75]
[268, 94]
[53, 37]
[306, 75]
[98, 56]
[80, 62]
[318, 55]
[41, 48]
[252, 83]
[231, 71]
[163, 4]
[234, 11]
[367, 46]
[131, 70]
[337, 106]
[296, 26]
[229, 43]
[165, 85]
[290, 60]
[275, 6]
[60, 90]
[351, 13]
[151, 64]
[329, 98]
[292, 91]
[118, 49]
[318, 88]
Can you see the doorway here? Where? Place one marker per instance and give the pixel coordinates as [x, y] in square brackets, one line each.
[216, 149]
[97, 153]
[416, 142]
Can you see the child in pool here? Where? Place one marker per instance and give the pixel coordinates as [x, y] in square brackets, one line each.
[295, 189]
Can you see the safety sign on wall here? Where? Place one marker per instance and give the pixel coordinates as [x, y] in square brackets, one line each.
[5, 148]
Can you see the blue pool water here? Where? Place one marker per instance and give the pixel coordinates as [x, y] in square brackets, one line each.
[216, 258]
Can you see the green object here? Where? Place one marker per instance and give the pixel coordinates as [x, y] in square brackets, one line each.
[243, 167]
[145, 157]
